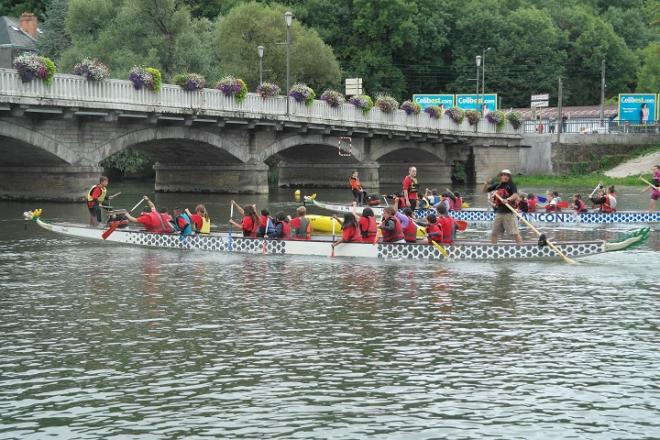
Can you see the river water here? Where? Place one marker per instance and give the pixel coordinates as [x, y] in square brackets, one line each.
[103, 341]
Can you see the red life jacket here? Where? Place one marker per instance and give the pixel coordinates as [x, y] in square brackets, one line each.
[446, 224]
[550, 208]
[434, 232]
[303, 228]
[396, 234]
[410, 232]
[351, 234]
[286, 230]
[531, 205]
[368, 229]
[458, 204]
[503, 193]
[606, 206]
[580, 206]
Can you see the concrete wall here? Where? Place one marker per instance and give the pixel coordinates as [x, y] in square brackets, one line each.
[59, 184]
[489, 161]
[537, 158]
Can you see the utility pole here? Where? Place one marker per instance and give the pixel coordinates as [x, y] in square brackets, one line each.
[560, 98]
[602, 92]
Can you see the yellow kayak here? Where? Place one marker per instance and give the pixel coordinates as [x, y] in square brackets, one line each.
[323, 223]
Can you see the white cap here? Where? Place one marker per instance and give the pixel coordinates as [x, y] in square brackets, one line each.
[505, 172]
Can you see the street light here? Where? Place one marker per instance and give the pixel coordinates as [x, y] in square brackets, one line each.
[478, 62]
[288, 19]
[260, 52]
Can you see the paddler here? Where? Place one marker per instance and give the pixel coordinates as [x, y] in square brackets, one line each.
[391, 227]
[447, 225]
[367, 224]
[410, 189]
[301, 227]
[655, 192]
[281, 228]
[95, 200]
[606, 200]
[250, 223]
[182, 222]
[350, 231]
[200, 219]
[151, 219]
[579, 205]
[410, 230]
[505, 220]
[359, 194]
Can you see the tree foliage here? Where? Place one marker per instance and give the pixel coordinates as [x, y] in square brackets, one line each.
[649, 73]
[55, 38]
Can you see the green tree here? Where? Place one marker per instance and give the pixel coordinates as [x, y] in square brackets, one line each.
[159, 33]
[55, 38]
[648, 78]
[631, 24]
[15, 8]
[252, 24]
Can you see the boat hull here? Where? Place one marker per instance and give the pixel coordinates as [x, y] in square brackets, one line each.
[226, 244]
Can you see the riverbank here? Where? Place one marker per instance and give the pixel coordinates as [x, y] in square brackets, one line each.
[587, 180]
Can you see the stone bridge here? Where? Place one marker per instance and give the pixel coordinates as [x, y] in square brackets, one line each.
[52, 139]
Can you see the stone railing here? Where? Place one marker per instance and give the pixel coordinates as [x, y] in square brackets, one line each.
[120, 95]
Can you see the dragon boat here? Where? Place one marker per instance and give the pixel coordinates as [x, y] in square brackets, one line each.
[228, 243]
[482, 215]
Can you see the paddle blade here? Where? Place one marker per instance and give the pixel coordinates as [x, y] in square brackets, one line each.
[541, 199]
[461, 225]
[110, 230]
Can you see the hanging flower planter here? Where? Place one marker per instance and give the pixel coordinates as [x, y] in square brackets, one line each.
[362, 102]
[302, 93]
[411, 108]
[456, 114]
[386, 103]
[31, 66]
[190, 82]
[268, 90]
[145, 78]
[91, 70]
[231, 86]
[433, 111]
[514, 119]
[498, 118]
[333, 98]
[473, 116]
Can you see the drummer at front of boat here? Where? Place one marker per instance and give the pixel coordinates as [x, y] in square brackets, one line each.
[410, 188]
[182, 222]
[359, 194]
[250, 223]
[606, 200]
[95, 200]
[579, 205]
[553, 202]
[391, 227]
[505, 220]
[350, 231]
[200, 220]
[301, 227]
[282, 227]
[655, 191]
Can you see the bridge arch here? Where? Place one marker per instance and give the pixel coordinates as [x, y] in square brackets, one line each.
[300, 141]
[231, 147]
[45, 149]
[417, 152]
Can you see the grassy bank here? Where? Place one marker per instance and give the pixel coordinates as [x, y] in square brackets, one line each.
[584, 180]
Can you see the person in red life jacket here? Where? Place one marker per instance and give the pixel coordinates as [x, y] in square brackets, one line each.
[281, 227]
[553, 202]
[359, 194]
[606, 200]
[447, 225]
[250, 223]
[522, 203]
[166, 218]
[531, 202]
[96, 197]
[150, 218]
[433, 231]
[505, 220]
[579, 205]
[200, 219]
[350, 231]
[367, 224]
[182, 222]
[391, 227]
[655, 191]
[266, 224]
[301, 227]
[410, 230]
[410, 189]
[458, 202]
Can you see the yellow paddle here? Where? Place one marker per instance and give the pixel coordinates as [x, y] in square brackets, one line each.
[442, 250]
[529, 225]
[649, 183]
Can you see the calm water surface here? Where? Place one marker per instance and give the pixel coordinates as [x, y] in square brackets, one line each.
[117, 342]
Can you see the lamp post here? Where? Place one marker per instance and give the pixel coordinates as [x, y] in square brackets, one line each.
[288, 19]
[260, 52]
[478, 62]
[483, 70]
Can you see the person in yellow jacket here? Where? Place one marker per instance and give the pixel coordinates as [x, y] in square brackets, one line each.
[200, 219]
[96, 197]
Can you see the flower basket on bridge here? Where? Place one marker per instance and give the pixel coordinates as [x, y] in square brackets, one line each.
[514, 119]
[91, 69]
[473, 116]
[386, 103]
[362, 102]
[190, 82]
[302, 93]
[333, 98]
[268, 90]
[145, 78]
[411, 108]
[456, 114]
[233, 87]
[30, 66]
[433, 111]
[498, 118]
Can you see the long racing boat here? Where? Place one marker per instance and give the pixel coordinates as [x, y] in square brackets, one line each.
[227, 243]
[481, 215]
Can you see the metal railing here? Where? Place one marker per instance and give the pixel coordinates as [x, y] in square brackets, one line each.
[120, 95]
[591, 126]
